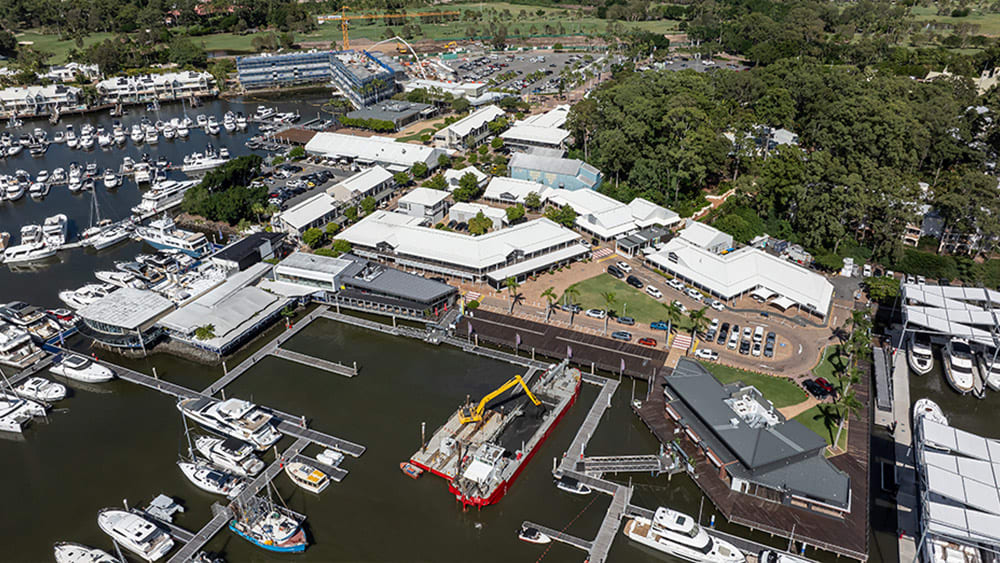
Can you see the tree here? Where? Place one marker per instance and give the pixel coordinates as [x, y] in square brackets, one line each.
[436, 182]
[444, 162]
[402, 179]
[341, 246]
[699, 320]
[460, 105]
[550, 296]
[205, 332]
[497, 143]
[419, 170]
[480, 224]
[570, 295]
[185, 53]
[515, 213]
[564, 215]
[313, 237]
[331, 229]
[368, 204]
[515, 297]
[351, 213]
[297, 153]
[499, 39]
[609, 304]
[882, 288]
[532, 201]
[674, 315]
[468, 188]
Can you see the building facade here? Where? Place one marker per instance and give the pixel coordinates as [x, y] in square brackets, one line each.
[425, 203]
[565, 173]
[39, 100]
[470, 131]
[148, 87]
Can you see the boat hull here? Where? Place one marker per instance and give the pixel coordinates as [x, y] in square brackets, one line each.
[295, 544]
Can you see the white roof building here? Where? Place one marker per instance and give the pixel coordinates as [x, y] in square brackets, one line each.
[38, 100]
[555, 117]
[744, 270]
[608, 218]
[427, 197]
[453, 176]
[706, 236]
[68, 72]
[462, 212]
[517, 251]
[384, 151]
[468, 131]
[368, 182]
[168, 85]
[456, 89]
[527, 137]
[316, 211]
[511, 190]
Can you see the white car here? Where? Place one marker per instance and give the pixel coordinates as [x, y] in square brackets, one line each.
[715, 323]
[596, 313]
[676, 284]
[867, 270]
[653, 292]
[756, 349]
[681, 306]
[718, 306]
[758, 334]
[706, 354]
[693, 294]
[624, 267]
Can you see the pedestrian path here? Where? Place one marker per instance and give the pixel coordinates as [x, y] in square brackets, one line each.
[602, 252]
[681, 342]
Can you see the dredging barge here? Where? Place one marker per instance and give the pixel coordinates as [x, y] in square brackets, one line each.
[481, 451]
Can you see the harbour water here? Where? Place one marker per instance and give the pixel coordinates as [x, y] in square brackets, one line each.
[119, 441]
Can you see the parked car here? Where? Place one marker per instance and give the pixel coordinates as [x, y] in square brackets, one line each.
[758, 334]
[693, 294]
[676, 284]
[629, 321]
[635, 282]
[653, 292]
[814, 389]
[659, 325]
[651, 342]
[723, 334]
[571, 308]
[866, 271]
[616, 272]
[825, 385]
[623, 266]
[747, 332]
[734, 339]
[769, 349]
[706, 354]
[622, 335]
[744, 346]
[596, 313]
[756, 349]
[718, 305]
[681, 306]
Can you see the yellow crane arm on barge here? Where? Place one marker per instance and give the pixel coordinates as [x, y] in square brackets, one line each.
[468, 415]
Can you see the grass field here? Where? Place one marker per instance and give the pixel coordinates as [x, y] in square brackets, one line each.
[780, 391]
[50, 43]
[814, 420]
[628, 300]
[989, 24]
[831, 364]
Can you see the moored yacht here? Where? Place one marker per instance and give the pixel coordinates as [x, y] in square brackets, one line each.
[14, 414]
[120, 278]
[210, 479]
[959, 368]
[679, 535]
[307, 477]
[163, 234]
[230, 454]
[30, 252]
[233, 417]
[135, 533]
[85, 295]
[137, 134]
[81, 368]
[919, 353]
[16, 347]
[110, 179]
[109, 237]
[69, 552]
[54, 230]
[989, 368]
[41, 389]
[142, 173]
[926, 408]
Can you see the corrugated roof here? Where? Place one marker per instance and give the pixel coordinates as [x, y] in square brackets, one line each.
[475, 120]
[376, 149]
[428, 197]
[127, 308]
[309, 210]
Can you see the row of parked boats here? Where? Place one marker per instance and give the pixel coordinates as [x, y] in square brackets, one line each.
[37, 241]
[966, 369]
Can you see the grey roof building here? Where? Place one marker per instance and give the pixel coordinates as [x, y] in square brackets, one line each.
[125, 318]
[567, 173]
[757, 451]
[248, 251]
[400, 113]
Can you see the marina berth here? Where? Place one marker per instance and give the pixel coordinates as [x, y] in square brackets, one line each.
[135, 533]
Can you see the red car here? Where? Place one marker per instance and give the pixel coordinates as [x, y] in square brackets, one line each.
[648, 342]
[825, 385]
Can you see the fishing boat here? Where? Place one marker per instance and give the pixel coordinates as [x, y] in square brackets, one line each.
[81, 368]
[959, 367]
[268, 526]
[919, 354]
[210, 479]
[679, 535]
[233, 417]
[135, 533]
[532, 535]
[41, 389]
[69, 552]
[307, 477]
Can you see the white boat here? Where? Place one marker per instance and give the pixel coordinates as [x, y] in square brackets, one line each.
[14, 415]
[212, 128]
[75, 185]
[31, 233]
[120, 136]
[14, 150]
[55, 230]
[926, 408]
[679, 535]
[330, 457]
[182, 130]
[572, 486]
[169, 131]
[81, 368]
[212, 480]
[32, 407]
[38, 190]
[230, 454]
[58, 176]
[919, 353]
[71, 139]
[533, 535]
[307, 477]
[236, 418]
[241, 121]
[42, 176]
[136, 134]
[110, 179]
[135, 533]
[69, 552]
[85, 295]
[163, 234]
[990, 369]
[198, 162]
[142, 173]
[109, 237]
[104, 140]
[264, 112]
[202, 120]
[30, 252]
[14, 190]
[229, 122]
[59, 138]
[86, 142]
[41, 389]
[959, 367]
[16, 347]
[152, 136]
[770, 556]
[120, 279]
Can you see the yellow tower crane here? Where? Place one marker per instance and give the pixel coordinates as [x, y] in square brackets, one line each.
[469, 415]
[344, 19]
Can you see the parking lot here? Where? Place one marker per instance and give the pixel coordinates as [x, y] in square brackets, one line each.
[291, 183]
[525, 73]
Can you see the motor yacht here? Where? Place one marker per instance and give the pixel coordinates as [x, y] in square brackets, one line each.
[55, 230]
[59, 138]
[75, 185]
[241, 121]
[110, 237]
[142, 173]
[572, 486]
[91, 169]
[16, 346]
[30, 318]
[104, 139]
[86, 142]
[989, 368]
[72, 141]
[199, 162]
[135, 533]
[307, 477]
[120, 136]
[58, 176]
[152, 136]
[38, 149]
[959, 367]
[30, 252]
[31, 233]
[41, 389]
[42, 176]
[14, 415]
[38, 190]
[69, 552]
[533, 535]
[110, 179]
[679, 535]
[136, 134]
[182, 130]
[264, 112]
[230, 454]
[120, 279]
[81, 368]
[163, 234]
[169, 131]
[229, 122]
[14, 190]
[32, 407]
[212, 128]
[79, 298]
[210, 479]
[233, 417]
[87, 184]
[202, 120]
[13, 150]
[926, 408]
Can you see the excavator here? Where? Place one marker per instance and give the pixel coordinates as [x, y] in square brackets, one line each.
[469, 415]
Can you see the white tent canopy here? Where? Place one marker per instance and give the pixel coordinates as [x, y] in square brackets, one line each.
[783, 302]
[763, 293]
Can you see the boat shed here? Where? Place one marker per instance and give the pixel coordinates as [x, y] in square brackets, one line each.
[246, 252]
[972, 313]
[125, 318]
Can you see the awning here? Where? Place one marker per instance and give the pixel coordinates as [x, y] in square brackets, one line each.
[782, 302]
[763, 293]
[538, 263]
[397, 168]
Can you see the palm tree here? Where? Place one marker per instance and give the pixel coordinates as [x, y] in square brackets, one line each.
[699, 321]
[572, 293]
[674, 315]
[550, 296]
[609, 303]
[512, 286]
[206, 332]
[258, 210]
[844, 405]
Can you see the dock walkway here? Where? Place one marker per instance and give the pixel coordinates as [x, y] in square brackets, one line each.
[609, 526]
[31, 370]
[339, 444]
[583, 435]
[191, 547]
[560, 536]
[627, 464]
[318, 363]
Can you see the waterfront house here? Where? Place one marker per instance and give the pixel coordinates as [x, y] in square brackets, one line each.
[38, 100]
[148, 87]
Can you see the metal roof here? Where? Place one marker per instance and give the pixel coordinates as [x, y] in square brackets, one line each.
[965, 312]
[247, 246]
[127, 308]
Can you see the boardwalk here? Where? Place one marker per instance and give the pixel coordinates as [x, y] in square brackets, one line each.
[31, 370]
[318, 363]
[337, 474]
[560, 536]
[207, 532]
[610, 524]
[151, 382]
[583, 435]
[628, 463]
[341, 445]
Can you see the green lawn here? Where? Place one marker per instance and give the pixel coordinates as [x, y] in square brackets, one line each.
[831, 364]
[780, 391]
[51, 43]
[814, 420]
[989, 24]
[628, 300]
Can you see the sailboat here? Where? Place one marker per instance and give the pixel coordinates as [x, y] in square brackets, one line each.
[102, 233]
[207, 477]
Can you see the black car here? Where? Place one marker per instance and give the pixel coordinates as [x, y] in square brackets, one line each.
[626, 321]
[769, 349]
[614, 271]
[723, 336]
[744, 346]
[634, 282]
[814, 389]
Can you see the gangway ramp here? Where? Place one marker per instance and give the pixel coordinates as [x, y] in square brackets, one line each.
[626, 463]
[314, 362]
[589, 426]
[560, 536]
